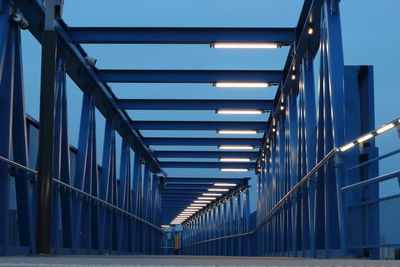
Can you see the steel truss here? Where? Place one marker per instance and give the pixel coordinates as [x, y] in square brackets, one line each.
[67, 203]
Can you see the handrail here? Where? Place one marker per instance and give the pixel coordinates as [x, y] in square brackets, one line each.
[32, 171]
[281, 201]
[373, 180]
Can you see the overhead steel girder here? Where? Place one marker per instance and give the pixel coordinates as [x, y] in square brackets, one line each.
[199, 125]
[190, 76]
[202, 141]
[193, 104]
[191, 186]
[205, 154]
[86, 78]
[205, 180]
[170, 164]
[152, 35]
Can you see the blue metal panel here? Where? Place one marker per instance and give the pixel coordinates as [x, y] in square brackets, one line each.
[186, 35]
[203, 141]
[189, 76]
[193, 104]
[199, 125]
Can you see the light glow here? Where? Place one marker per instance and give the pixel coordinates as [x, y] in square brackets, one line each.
[198, 205]
[233, 170]
[206, 198]
[245, 45]
[212, 194]
[310, 30]
[241, 84]
[239, 111]
[218, 189]
[202, 201]
[235, 159]
[365, 138]
[237, 132]
[225, 184]
[236, 147]
[385, 128]
[346, 147]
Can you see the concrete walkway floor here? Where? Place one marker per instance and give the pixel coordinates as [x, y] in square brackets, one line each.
[125, 261]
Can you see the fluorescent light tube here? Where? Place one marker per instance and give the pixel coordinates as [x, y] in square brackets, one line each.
[234, 159]
[241, 84]
[365, 138]
[236, 147]
[233, 170]
[224, 184]
[245, 45]
[239, 111]
[237, 132]
[218, 189]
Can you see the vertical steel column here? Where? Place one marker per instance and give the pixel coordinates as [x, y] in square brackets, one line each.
[124, 195]
[61, 167]
[46, 131]
[107, 187]
[137, 176]
[7, 50]
[146, 181]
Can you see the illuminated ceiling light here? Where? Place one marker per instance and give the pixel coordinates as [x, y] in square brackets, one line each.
[273, 129]
[233, 170]
[310, 30]
[245, 45]
[224, 184]
[202, 201]
[165, 226]
[293, 76]
[206, 198]
[218, 189]
[365, 138]
[212, 194]
[346, 147]
[237, 132]
[235, 159]
[239, 111]
[385, 128]
[236, 147]
[241, 84]
[282, 107]
[198, 205]
[193, 208]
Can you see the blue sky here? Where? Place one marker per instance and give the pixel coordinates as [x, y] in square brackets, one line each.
[370, 37]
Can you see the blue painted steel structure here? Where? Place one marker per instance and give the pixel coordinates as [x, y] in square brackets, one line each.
[313, 200]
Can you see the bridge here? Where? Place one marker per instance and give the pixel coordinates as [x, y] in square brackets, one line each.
[299, 177]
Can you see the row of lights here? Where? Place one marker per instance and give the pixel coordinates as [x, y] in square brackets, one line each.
[202, 202]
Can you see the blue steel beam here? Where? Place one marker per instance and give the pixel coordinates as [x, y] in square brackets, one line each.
[199, 125]
[194, 104]
[171, 164]
[205, 180]
[190, 186]
[189, 76]
[186, 35]
[205, 154]
[203, 141]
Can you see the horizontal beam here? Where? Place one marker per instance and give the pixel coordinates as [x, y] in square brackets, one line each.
[206, 180]
[203, 141]
[193, 104]
[147, 35]
[205, 154]
[190, 76]
[190, 186]
[171, 164]
[199, 125]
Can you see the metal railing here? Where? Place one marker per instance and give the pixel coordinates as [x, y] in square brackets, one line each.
[314, 170]
[96, 199]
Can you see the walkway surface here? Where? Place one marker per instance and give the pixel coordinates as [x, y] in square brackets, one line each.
[124, 261]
